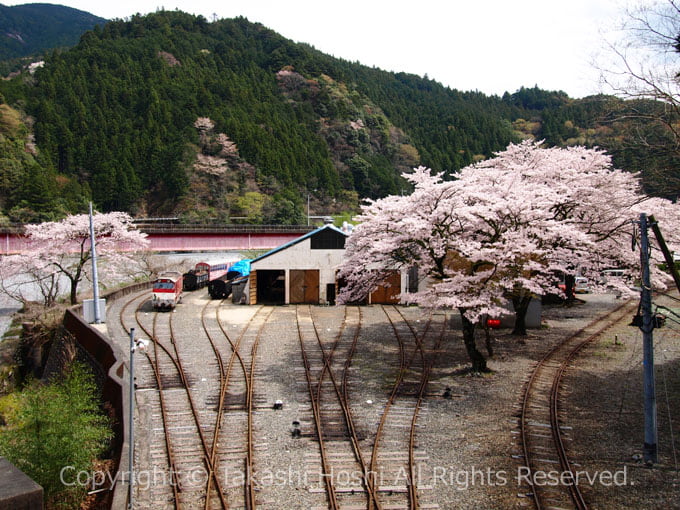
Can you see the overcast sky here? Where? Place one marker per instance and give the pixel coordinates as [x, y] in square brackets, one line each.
[488, 45]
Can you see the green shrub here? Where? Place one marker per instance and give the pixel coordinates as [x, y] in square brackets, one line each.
[52, 427]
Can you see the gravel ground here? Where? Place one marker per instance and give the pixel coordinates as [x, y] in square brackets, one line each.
[466, 443]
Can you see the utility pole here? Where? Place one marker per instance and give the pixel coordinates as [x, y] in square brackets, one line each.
[649, 451]
[308, 195]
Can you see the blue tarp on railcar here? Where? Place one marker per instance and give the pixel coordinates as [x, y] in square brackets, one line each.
[242, 267]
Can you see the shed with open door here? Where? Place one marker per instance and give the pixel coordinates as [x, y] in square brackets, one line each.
[301, 271]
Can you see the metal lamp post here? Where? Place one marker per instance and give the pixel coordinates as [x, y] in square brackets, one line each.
[95, 278]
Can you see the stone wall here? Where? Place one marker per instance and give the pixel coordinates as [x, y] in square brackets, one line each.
[85, 342]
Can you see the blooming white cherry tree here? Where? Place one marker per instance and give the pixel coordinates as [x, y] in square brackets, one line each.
[501, 232]
[477, 240]
[61, 249]
[602, 202]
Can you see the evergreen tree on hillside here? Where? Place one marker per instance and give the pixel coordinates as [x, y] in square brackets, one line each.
[117, 111]
[32, 28]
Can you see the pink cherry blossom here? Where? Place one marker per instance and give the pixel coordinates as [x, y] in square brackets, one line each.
[505, 229]
[61, 249]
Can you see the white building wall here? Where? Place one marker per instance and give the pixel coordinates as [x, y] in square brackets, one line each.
[301, 256]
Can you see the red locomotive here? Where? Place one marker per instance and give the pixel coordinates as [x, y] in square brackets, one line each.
[167, 290]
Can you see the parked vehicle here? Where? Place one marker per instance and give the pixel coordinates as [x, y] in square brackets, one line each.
[202, 273]
[613, 272]
[214, 270]
[611, 275]
[195, 279]
[581, 285]
[167, 290]
[220, 288]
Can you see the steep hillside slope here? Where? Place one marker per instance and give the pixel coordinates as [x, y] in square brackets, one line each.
[167, 114]
[30, 29]
[28, 187]
[119, 111]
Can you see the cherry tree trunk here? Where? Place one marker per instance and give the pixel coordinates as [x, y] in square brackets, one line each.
[521, 306]
[569, 283]
[75, 280]
[476, 358]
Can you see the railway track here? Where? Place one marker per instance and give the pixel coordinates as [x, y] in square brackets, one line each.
[196, 383]
[207, 353]
[394, 449]
[160, 451]
[367, 465]
[185, 421]
[236, 400]
[542, 435]
[326, 366]
[190, 397]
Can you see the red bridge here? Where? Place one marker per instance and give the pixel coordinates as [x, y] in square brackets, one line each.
[186, 238]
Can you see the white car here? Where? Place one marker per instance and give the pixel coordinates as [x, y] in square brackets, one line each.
[609, 275]
[581, 285]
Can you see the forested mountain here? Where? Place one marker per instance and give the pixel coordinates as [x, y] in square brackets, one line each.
[30, 29]
[167, 114]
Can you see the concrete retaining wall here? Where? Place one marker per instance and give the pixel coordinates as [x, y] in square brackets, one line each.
[18, 491]
[115, 384]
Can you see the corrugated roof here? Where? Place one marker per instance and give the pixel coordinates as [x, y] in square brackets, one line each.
[299, 239]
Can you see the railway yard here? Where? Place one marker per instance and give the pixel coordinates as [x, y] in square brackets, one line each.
[286, 407]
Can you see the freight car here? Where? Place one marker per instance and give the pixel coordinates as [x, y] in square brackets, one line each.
[199, 277]
[195, 279]
[220, 288]
[167, 290]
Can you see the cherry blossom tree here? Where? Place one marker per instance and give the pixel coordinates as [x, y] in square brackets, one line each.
[61, 250]
[23, 280]
[500, 233]
[588, 193]
[477, 240]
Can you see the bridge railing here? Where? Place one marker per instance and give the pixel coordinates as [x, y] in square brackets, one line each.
[221, 229]
[152, 227]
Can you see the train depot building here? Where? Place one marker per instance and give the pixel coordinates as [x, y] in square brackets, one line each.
[300, 271]
[304, 271]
